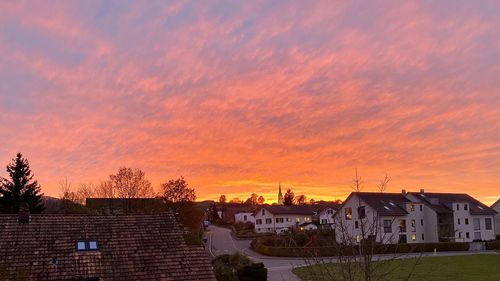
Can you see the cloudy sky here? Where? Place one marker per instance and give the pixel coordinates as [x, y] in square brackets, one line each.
[237, 96]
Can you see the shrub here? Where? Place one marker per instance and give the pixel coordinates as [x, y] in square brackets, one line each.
[493, 245]
[300, 238]
[235, 267]
[243, 226]
[253, 272]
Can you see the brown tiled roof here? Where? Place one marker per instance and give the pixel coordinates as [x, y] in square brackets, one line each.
[442, 202]
[131, 247]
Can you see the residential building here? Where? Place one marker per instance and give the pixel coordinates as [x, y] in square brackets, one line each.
[244, 217]
[325, 214]
[90, 247]
[122, 206]
[279, 219]
[496, 207]
[229, 211]
[414, 217]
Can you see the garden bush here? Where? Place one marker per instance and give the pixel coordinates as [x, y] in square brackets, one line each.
[238, 268]
[493, 245]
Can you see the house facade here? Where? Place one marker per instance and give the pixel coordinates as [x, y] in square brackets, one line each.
[496, 207]
[279, 219]
[326, 216]
[244, 217]
[414, 217]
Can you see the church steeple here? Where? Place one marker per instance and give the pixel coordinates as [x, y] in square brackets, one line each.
[280, 195]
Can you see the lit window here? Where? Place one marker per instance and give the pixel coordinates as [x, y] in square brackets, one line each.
[358, 238]
[348, 213]
[412, 207]
[80, 246]
[414, 237]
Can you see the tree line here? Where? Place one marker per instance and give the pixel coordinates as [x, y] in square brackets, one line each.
[20, 186]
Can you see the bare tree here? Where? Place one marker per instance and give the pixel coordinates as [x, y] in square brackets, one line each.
[131, 183]
[383, 184]
[104, 190]
[84, 191]
[66, 191]
[178, 191]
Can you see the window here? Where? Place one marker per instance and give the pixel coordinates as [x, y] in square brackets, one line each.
[279, 220]
[245, 218]
[387, 226]
[477, 224]
[268, 221]
[297, 219]
[87, 245]
[263, 212]
[458, 207]
[467, 235]
[361, 212]
[413, 227]
[258, 221]
[422, 222]
[412, 207]
[466, 207]
[413, 237]
[356, 224]
[358, 238]
[348, 214]
[402, 239]
[402, 225]
[421, 208]
[477, 235]
[92, 245]
[288, 219]
[423, 237]
[324, 221]
[487, 223]
[307, 219]
[466, 221]
[459, 221]
[80, 246]
[460, 235]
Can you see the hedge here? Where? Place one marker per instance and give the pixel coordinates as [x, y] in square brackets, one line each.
[493, 245]
[343, 251]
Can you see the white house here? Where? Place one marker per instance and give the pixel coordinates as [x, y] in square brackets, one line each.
[279, 219]
[414, 217]
[326, 216]
[244, 217]
[496, 207]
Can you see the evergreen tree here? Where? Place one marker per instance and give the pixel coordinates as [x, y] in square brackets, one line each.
[20, 188]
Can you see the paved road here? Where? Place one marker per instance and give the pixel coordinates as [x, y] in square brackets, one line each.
[220, 242]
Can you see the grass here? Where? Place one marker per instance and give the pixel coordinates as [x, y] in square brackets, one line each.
[456, 268]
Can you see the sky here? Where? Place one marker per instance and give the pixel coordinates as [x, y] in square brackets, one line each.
[238, 96]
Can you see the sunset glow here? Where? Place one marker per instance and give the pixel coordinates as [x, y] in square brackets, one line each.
[238, 96]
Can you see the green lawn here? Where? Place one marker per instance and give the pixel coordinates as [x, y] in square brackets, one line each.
[456, 268]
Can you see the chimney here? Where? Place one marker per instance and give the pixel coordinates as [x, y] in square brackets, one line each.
[24, 213]
[422, 190]
[403, 191]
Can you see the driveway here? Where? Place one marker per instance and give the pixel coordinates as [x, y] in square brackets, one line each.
[220, 242]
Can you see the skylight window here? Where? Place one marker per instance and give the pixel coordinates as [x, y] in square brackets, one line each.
[87, 245]
[392, 204]
[480, 207]
[80, 246]
[387, 208]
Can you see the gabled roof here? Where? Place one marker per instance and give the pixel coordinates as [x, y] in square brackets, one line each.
[131, 247]
[385, 204]
[494, 205]
[126, 205]
[442, 202]
[288, 210]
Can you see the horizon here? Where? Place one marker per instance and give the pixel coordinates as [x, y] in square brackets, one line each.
[240, 96]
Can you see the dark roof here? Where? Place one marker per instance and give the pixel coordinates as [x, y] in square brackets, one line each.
[119, 206]
[385, 204]
[131, 247]
[319, 207]
[288, 210]
[230, 209]
[442, 202]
